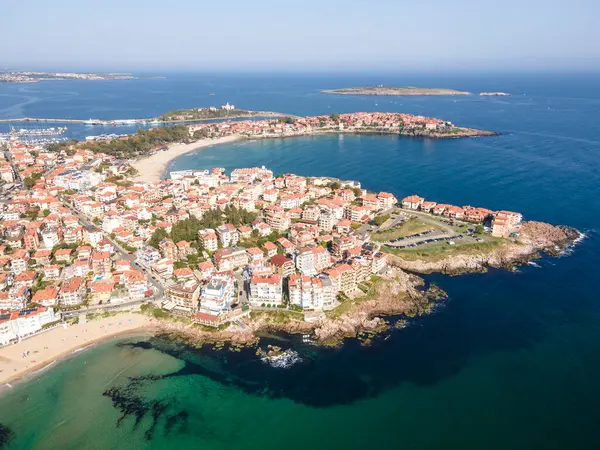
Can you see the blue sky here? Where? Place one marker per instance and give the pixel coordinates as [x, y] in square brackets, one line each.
[308, 35]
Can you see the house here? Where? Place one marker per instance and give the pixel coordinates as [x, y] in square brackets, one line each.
[72, 292]
[184, 274]
[347, 278]
[428, 206]
[52, 272]
[168, 249]
[163, 267]
[84, 252]
[42, 257]
[81, 268]
[206, 269]
[25, 322]
[270, 248]
[282, 265]
[63, 255]
[92, 235]
[101, 291]
[46, 297]
[287, 247]
[19, 260]
[412, 202]
[340, 245]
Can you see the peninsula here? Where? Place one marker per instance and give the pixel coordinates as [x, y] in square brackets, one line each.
[224, 257]
[394, 91]
[34, 77]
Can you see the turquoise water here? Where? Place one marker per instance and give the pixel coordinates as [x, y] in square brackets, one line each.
[511, 361]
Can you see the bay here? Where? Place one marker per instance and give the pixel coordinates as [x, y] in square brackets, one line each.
[511, 361]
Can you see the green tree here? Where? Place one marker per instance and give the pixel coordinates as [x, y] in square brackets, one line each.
[158, 235]
[380, 220]
[335, 117]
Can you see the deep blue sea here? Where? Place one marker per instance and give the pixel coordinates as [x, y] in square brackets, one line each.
[511, 361]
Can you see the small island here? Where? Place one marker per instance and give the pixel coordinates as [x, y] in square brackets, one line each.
[495, 94]
[394, 91]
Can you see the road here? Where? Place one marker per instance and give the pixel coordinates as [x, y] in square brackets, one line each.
[105, 307]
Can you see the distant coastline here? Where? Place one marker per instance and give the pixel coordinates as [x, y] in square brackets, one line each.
[35, 77]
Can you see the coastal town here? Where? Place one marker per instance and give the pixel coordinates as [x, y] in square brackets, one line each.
[85, 233]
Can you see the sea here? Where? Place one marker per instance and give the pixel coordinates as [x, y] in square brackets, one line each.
[511, 360]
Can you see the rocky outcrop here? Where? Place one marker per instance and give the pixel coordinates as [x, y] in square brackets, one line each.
[401, 293]
[535, 237]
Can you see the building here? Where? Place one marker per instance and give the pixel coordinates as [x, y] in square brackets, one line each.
[46, 297]
[282, 265]
[218, 294]
[208, 239]
[101, 263]
[17, 325]
[306, 292]
[266, 290]
[305, 261]
[412, 202]
[340, 245]
[72, 292]
[183, 298]
[228, 235]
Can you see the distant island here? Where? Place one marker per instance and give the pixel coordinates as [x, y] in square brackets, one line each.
[34, 77]
[495, 94]
[392, 90]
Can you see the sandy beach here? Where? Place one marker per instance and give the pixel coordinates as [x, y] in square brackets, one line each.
[152, 168]
[48, 346]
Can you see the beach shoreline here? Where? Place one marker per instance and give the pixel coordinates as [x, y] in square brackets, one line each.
[152, 168]
[46, 348]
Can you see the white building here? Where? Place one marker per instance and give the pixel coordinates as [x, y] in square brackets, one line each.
[267, 290]
[50, 237]
[218, 294]
[306, 292]
[24, 323]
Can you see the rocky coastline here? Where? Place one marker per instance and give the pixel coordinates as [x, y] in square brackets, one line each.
[535, 238]
[401, 294]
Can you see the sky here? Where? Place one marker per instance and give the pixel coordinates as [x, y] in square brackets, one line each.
[307, 35]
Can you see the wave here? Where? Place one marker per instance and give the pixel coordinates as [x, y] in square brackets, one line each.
[284, 360]
[569, 249]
